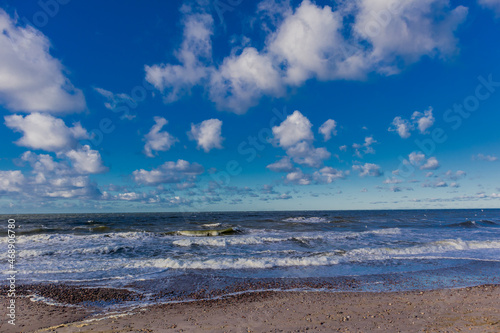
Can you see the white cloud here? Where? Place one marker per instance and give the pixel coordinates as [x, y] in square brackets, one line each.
[304, 153]
[416, 158]
[431, 164]
[272, 13]
[31, 79]
[43, 131]
[113, 101]
[86, 160]
[437, 184]
[491, 4]
[368, 169]
[367, 145]
[407, 30]
[393, 180]
[328, 129]
[295, 135]
[455, 175]
[156, 140]
[169, 172]
[419, 159]
[298, 177]
[11, 181]
[243, 79]
[482, 157]
[402, 126]
[207, 134]
[295, 128]
[52, 179]
[423, 121]
[308, 42]
[328, 175]
[196, 49]
[283, 165]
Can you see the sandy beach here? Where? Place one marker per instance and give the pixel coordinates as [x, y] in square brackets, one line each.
[474, 309]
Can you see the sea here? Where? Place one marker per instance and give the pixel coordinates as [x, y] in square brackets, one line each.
[152, 254]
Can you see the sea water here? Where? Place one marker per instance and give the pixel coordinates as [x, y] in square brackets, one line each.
[411, 249]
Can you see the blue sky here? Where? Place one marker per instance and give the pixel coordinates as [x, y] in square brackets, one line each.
[249, 105]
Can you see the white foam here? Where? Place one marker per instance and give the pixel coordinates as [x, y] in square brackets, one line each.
[225, 241]
[211, 225]
[302, 219]
[442, 246]
[388, 231]
[54, 239]
[237, 263]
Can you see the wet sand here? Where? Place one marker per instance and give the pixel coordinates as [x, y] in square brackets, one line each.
[475, 309]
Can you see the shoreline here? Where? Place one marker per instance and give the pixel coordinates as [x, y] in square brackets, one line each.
[471, 308]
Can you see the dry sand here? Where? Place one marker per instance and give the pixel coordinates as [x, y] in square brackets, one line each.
[475, 309]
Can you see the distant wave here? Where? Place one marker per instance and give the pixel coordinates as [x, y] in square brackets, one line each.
[474, 224]
[211, 225]
[442, 246]
[302, 219]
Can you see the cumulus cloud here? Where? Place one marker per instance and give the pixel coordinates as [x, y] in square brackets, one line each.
[207, 134]
[402, 126]
[156, 140]
[304, 153]
[193, 55]
[307, 42]
[328, 175]
[482, 157]
[491, 4]
[11, 181]
[367, 145]
[393, 180]
[418, 159]
[421, 121]
[436, 184]
[268, 189]
[243, 79]
[31, 80]
[368, 169]
[328, 129]
[283, 165]
[58, 179]
[298, 177]
[455, 175]
[169, 172]
[431, 164]
[295, 128]
[294, 135]
[86, 160]
[151, 197]
[43, 131]
[407, 30]
[64, 177]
